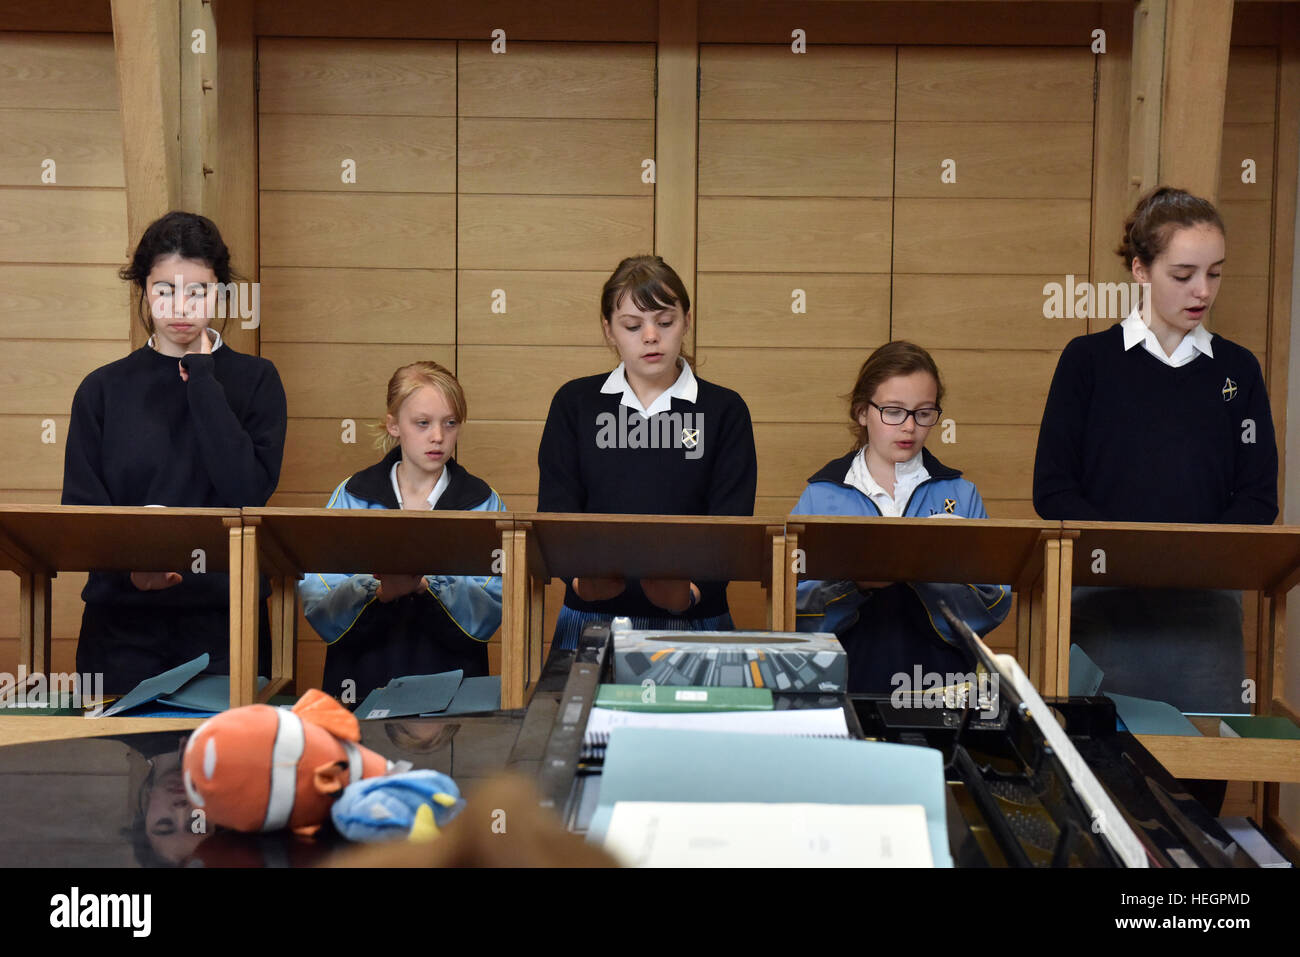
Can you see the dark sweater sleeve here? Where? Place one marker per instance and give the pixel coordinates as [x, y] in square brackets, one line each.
[735, 472]
[1058, 462]
[83, 481]
[559, 486]
[242, 458]
[1254, 493]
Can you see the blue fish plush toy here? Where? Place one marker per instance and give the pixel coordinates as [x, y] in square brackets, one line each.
[412, 805]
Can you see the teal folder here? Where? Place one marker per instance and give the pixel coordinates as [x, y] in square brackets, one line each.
[1143, 716]
[411, 695]
[159, 685]
[474, 696]
[207, 693]
[652, 764]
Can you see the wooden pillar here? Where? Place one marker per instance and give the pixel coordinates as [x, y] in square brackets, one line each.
[1284, 214]
[146, 40]
[1113, 195]
[230, 190]
[198, 38]
[1197, 36]
[1178, 77]
[676, 126]
[1146, 85]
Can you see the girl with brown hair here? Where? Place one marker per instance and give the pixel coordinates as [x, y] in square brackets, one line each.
[648, 438]
[892, 629]
[1157, 419]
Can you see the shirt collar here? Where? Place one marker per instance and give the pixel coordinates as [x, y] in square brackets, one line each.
[1136, 330]
[439, 486]
[216, 339]
[907, 475]
[685, 388]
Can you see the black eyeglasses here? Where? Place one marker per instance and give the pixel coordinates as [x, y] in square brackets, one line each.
[895, 415]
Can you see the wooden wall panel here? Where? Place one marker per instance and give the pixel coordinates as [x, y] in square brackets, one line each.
[777, 385]
[979, 312]
[376, 230]
[747, 309]
[991, 84]
[86, 144]
[327, 379]
[1251, 94]
[306, 153]
[796, 177]
[43, 224]
[63, 311]
[51, 71]
[974, 251]
[542, 307]
[357, 77]
[910, 22]
[558, 80]
[537, 232]
[548, 156]
[358, 305]
[62, 301]
[742, 234]
[358, 272]
[980, 236]
[318, 452]
[794, 158]
[748, 82]
[551, 198]
[996, 159]
[474, 173]
[516, 383]
[506, 451]
[1250, 235]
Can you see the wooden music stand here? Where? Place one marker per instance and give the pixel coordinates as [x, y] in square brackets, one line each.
[695, 547]
[291, 542]
[1023, 554]
[39, 541]
[1263, 558]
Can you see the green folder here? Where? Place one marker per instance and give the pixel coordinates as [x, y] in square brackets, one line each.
[1262, 726]
[682, 698]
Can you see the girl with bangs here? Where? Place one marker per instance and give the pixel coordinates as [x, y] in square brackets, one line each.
[648, 438]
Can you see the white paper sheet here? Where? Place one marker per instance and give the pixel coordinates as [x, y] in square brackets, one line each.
[816, 722]
[659, 834]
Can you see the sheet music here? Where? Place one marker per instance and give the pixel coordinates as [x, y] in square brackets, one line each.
[660, 834]
[814, 722]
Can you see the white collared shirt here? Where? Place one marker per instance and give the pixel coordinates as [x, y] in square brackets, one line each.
[215, 337]
[685, 388]
[1193, 344]
[907, 476]
[439, 486]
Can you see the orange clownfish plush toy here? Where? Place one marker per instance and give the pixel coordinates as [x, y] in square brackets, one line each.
[260, 768]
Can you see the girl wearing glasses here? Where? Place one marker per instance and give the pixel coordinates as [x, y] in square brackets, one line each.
[890, 628]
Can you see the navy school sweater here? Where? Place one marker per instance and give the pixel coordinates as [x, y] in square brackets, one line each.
[1125, 437]
[599, 456]
[139, 435]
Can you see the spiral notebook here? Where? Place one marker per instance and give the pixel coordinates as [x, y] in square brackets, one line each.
[799, 722]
